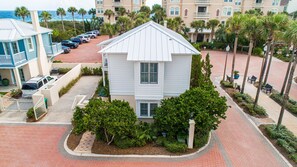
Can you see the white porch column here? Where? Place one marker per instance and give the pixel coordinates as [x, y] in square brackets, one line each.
[191, 133]
[43, 64]
[17, 78]
[103, 74]
[192, 37]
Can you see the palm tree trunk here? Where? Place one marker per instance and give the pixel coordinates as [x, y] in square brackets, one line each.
[83, 22]
[234, 57]
[62, 23]
[287, 73]
[73, 22]
[23, 17]
[247, 65]
[46, 23]
[211, 34]
[262, 72]
[226, 61]
[269, 63]
[286, 96]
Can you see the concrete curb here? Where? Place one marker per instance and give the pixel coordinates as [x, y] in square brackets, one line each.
[69, 151]
[257, 128]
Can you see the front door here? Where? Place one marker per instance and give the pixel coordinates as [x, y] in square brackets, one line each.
[22, 76]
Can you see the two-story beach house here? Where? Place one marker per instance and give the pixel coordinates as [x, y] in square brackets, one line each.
[26, 50]
[147, 64]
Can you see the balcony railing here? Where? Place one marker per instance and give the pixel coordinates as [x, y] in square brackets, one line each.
[201, 15]
[54, 50]
[17, 58]
[258, 5]
[202, 1]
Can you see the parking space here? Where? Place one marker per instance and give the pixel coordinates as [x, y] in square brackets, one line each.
[85, 53]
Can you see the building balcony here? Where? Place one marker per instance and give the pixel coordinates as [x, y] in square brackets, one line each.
[117, 3]
[53, 50]
[202, 1]
[201, 15]
[257, 5]
[13, 60]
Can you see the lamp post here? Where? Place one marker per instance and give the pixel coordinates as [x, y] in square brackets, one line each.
[227, 50]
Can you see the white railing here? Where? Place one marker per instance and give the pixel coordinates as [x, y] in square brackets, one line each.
[201, 14]
[5, 60]
[54, 49]
[19, 58]
[202, 1]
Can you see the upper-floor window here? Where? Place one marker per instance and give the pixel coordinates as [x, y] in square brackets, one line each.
[6, 48]
[258, 1]
[218, 12]
[100, 11]
[227, 0]
[237, 2]
[117, 1]
[275, 2]
[174, 11]
[202, 9]
[15, 47]
[99, 2]
[174, 1]
[30, 44]
[274, 10]
[227, 11]
[136, 2]
[149, 73]
[186, 12]
[237, 10]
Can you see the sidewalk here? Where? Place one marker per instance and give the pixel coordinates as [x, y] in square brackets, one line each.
[272, 108]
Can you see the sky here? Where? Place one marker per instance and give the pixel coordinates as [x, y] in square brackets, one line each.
[54, 4]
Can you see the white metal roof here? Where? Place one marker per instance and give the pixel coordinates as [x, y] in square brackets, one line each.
[149, 42]
[12, 30]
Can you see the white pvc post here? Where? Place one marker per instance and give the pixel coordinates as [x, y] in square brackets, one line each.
[191, 133]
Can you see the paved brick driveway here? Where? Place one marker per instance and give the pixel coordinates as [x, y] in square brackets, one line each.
[85, 53]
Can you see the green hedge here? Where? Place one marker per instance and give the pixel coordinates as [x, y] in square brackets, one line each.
[30, 113]
[91, 71]
[226, 84]
[64, 70]
[176, 147]
[282, 57]
[285, 139]
[258, 52]
[291, 105]
[64, 90]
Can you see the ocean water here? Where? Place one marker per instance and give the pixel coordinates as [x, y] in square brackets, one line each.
[55, 17]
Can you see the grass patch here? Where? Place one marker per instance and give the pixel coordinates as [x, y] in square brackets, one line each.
[64, 90]
[284, 140]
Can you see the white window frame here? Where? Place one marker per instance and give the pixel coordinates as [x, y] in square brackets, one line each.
[5, 49]
[149, 73]
[238, 2]
[175, 10]
[28, 44]
[274, 10]
[18, 49]
[228, 0]
[101, 10]
[174, 1]
[137, 2]
[148, 102]
[226, 10]
[275, 2]
[99, 2]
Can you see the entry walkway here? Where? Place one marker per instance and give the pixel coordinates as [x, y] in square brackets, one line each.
[272, 108]
[61, 111]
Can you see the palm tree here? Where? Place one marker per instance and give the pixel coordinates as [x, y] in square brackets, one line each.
[123, 24]
[140, 19]
[132, 15]
[146, 10]
[82, 12]
[198, 25]
[45, 16]
[212, 24]
[22, 12]
[121, 11]
[61, 12]
[159, 13]
[271, 24]
[108, 29]
[92, 12]
[108, 13]
[72, 10]
[235, 25]
[291, 33]
[252, 27]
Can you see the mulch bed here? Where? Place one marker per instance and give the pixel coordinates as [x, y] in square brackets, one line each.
[100, 147]
[73, 140]
[280, 149]
[34, 120]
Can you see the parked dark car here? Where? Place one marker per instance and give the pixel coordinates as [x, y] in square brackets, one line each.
[69, 44]
[66, 49]
[77, 40]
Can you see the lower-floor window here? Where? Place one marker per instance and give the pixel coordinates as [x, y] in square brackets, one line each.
[147, 109]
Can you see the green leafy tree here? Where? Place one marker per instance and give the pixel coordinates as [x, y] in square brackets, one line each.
[132, 15]
[108, 13]
[22, 12]
[198, 25]
[257, 12]
[122, 11]
[45, 16]
[82, 12]
[61, 12]
[146, 10]
[176, 24]
[212, 24]
[92, 12]
[72, 10]
[206, 107]
[123, 24]
[108, 29]
[159, 14]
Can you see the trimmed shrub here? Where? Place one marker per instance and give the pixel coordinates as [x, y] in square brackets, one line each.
[161, 141]
[30, 113]
[57, 61]
[282, 57]
[124, 143]
[78, 123]
[226, 84]
[176, 147]
[86, 71]
[258, 52]
[97, 71]
[294, 157]
[200, 141]
[64, 70]
[16, 93]
[64, 90]
[291, 105]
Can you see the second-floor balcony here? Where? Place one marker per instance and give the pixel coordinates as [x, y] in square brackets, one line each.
[13, 60]
[116, 3]
[54, 50]
[201, 15]
[202, 1]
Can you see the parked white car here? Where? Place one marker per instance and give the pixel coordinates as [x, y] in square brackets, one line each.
[35, 84]
[84, 38]
[92, 34]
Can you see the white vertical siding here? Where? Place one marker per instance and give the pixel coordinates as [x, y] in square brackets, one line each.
[149, 91]
[177, 75]
[121, 75]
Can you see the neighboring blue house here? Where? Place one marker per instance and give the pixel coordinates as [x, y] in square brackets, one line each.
[21, 50]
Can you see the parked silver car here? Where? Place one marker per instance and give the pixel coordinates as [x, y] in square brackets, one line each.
[35, 84]
[84, 37]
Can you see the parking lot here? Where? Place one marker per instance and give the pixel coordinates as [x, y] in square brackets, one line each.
[85, 53]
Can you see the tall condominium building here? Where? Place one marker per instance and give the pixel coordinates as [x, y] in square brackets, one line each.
[114, 5]
[190, 10]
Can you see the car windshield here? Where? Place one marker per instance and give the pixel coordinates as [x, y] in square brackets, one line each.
[29, 86]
